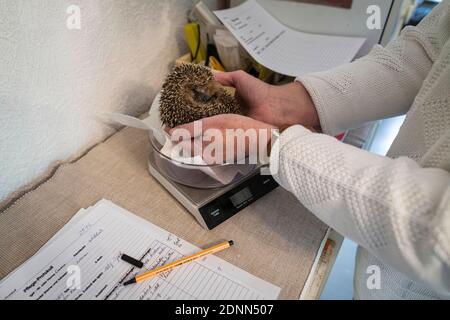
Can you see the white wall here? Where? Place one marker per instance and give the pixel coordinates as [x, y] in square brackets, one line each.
[55, 83]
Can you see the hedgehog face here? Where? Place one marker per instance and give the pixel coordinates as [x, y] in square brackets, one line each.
[190, 93]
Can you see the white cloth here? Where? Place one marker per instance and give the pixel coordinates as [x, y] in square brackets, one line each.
[397, 207]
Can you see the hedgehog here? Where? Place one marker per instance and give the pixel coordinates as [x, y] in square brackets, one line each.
[190, 93]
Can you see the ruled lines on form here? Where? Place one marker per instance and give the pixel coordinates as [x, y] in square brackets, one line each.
[189, 282]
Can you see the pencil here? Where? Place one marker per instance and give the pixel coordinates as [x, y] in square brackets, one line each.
[159, 270]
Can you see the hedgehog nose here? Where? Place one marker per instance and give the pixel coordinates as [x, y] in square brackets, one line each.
[201, 96]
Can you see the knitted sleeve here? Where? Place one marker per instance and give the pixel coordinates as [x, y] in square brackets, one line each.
[396, 209]
[382, 84]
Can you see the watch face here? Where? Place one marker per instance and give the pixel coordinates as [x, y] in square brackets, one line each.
[277, 133]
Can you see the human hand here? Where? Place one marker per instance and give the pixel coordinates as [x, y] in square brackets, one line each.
[226, 138]
[289, 104]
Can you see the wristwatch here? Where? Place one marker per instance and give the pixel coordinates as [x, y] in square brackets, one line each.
[275, 136]
[277, 133]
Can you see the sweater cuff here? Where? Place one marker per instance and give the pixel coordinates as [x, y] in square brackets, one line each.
[292, 134]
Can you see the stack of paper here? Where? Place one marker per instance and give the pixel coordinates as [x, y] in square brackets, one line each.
[282, 49]
[83, 261]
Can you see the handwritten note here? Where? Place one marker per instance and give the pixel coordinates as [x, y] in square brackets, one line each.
[282, 49]
[83, 262]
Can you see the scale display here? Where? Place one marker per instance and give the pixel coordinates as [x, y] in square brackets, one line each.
[229, 204]
[239, 198]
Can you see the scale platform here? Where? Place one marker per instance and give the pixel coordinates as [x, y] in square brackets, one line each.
[211, 207]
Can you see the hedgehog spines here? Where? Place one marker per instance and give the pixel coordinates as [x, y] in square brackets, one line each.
[190, 93]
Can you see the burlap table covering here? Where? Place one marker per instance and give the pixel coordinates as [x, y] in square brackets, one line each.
[276, 238]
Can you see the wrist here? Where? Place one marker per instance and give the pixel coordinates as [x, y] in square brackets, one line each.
[309, 116]
[292, 105]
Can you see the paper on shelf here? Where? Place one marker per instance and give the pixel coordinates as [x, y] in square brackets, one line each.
[283, 49]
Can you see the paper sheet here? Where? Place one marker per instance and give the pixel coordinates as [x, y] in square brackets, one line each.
[94, 241]
[282, 49]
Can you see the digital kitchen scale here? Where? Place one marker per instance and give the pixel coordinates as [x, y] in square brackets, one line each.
[211, 207]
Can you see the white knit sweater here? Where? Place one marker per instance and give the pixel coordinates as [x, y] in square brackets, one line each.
[396, 208]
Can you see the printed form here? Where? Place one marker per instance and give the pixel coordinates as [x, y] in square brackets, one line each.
[283, 49]
[83, 261]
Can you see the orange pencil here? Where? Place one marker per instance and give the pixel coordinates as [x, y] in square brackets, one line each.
[159, 270]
